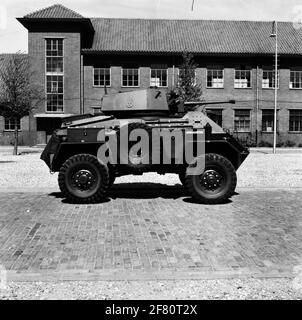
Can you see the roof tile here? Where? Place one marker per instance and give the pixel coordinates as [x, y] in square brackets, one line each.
[196, 36]
[56, 11]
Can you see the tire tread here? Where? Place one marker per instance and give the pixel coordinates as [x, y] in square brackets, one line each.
[223, 198]
[101, 191]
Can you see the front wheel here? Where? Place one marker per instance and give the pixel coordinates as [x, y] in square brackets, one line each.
[83, 179]
[216, 184]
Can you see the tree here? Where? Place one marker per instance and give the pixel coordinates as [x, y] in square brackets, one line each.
[187, 89]
[18, 96]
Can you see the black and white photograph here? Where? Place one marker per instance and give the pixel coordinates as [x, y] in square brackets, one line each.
[150, 150]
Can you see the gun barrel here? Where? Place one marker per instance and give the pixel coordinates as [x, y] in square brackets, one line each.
[202, 103]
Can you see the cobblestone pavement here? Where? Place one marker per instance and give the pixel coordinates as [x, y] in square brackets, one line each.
[151, 229]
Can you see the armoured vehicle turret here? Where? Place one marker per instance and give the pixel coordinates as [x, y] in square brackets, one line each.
[136, 132]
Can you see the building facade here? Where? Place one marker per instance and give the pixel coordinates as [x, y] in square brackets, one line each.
[78, 60]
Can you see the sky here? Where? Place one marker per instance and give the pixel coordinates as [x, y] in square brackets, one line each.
[13, 36]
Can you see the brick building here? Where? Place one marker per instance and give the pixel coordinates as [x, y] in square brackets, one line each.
[75, 57]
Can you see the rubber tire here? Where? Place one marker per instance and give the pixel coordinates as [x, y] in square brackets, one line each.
[92, 161]
[228, 190]
[132, 126]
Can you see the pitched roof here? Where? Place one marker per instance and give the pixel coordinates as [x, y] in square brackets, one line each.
[196, 36]
[56, 11]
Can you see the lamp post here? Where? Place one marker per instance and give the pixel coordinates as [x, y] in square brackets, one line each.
[275, 35]
[192, 7]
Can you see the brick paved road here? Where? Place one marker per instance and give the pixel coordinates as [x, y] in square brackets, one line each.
[145, 228]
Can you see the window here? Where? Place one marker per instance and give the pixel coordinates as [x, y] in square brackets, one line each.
[54, 84]
[242, 79]
[101, 77]
[295, 120]
[54, 55]
[9, 124]
[54, 47]
[268, 120]
[268, 79]
[215, 78]
[54, 91]
[130, 77]
[54, 75]
[242, 120]
[295, 80]
[215, 115]
[54, 65]
[159, 78]
[54, 103]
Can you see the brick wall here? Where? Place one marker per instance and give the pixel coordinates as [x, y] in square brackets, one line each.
[72, 63]
[245, 98]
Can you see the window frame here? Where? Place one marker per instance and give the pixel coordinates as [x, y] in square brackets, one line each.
[138, 73]
[217, 70]
[290, 75]
[289, 121]
[273, 114]
[101, 86]
[278, 80]
[251, 78]
[51, 73]
[58, 96]
[11, 130]
[167, 75]
[250, 121]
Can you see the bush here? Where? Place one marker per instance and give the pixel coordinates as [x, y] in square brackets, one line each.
[265, 144]
[289, 144]
[300, 145]
[247, 143]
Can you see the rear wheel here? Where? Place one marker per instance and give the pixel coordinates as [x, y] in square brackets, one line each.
[83, 179]
[216, 184]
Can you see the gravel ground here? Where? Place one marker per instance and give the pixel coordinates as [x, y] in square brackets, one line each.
[252, 289]
[260, 170]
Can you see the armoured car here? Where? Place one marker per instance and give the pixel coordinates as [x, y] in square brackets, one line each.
[89, 151]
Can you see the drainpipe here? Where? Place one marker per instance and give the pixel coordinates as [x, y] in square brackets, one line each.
[257, 104]
[173, 77]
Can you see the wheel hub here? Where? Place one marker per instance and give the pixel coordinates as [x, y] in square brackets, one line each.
[83, 179]
[211, 179]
